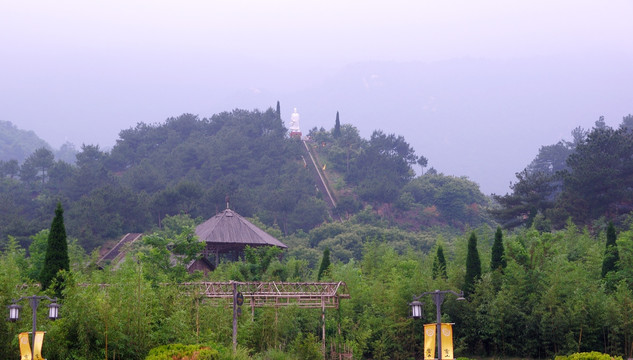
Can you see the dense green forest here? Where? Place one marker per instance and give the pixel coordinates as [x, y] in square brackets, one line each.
[189, 165]
[557, 279]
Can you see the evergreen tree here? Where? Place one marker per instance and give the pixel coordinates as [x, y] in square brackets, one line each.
[278, 111]
[473, 265]
[439, 264]
[325, 263]
[337, 128]
[498, 260]
[611, 255]
[57, 250]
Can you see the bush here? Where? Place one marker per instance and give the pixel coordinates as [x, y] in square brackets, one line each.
[307, 347]
[594, 355]
[274, 354]
[183, 352]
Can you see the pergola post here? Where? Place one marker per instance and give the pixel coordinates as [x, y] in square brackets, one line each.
[323, 326]
[234, 317]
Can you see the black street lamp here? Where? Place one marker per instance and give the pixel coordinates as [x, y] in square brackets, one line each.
[14, 312]
[438, 298]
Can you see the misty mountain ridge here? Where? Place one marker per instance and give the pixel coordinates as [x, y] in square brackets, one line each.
[484, 119]
[18, 144]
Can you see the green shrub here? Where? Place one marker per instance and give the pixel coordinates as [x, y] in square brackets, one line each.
[594, 355]
[274, 354]
[307, 347]
[240, 354]
[183, 352]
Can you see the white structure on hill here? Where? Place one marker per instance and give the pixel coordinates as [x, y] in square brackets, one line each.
[295, 130]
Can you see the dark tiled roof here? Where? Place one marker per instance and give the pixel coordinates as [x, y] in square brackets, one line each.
[228, 227]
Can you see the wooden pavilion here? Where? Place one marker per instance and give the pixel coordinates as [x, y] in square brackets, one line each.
[229, 233]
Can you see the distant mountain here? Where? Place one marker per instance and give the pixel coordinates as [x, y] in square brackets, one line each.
[17, 144]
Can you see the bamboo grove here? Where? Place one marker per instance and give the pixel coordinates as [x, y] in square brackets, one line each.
[550, 299]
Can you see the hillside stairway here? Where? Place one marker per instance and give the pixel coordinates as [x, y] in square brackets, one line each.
[322, 183]
[115, 253]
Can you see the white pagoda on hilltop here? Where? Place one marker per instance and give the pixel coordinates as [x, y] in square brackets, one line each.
[295, 130]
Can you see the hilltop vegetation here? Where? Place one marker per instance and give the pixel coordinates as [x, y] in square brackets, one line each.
[190, 165]
[585, 179]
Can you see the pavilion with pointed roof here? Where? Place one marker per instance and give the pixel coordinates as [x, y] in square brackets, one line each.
[228, 232]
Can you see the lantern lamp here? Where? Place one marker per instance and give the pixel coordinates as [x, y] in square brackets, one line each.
[53, 311]
[14, 312]
[416, 309]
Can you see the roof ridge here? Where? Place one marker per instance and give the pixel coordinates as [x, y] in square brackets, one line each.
[229, 227]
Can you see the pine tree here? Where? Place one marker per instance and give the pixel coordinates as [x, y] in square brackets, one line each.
[278, 111]
[611, 254]
[56, 252]
[439, 264]
[337, 128]
[473, 265]
[325, 263]
[498, 260]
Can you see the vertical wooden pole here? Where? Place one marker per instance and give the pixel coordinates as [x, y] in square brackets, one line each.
[198, 320]
[252, 308]
[323, 326]
[338, 308]
[234, 317]
[276, 319]
[107, 315]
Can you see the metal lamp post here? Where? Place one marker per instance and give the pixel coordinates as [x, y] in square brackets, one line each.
[438, 298]
[34, 301]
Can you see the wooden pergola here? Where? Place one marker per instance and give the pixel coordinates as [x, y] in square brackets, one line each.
[274, 294]
[312, 295]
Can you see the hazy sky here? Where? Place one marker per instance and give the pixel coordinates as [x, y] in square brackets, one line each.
[84, 70]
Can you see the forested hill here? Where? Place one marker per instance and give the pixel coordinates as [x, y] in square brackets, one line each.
[184, 165]
[190, 165]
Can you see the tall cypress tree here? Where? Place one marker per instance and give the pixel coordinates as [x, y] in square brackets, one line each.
[337, 128]
[56, 252]
[611, 254]
[497, 260]
[325, 263]
[439, 264]
[473, 265]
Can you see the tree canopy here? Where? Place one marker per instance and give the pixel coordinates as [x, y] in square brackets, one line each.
[584, 179]
[56, 258]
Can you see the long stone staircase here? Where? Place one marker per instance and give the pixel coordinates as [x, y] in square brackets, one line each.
[116, 253]
[322, 183]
